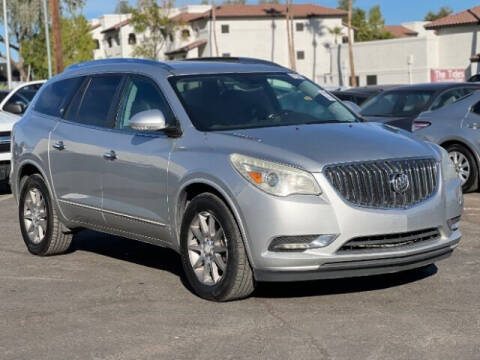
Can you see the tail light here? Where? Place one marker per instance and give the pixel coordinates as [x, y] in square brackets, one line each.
[420, 124]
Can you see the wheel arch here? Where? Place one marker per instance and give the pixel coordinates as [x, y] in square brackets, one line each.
[467, 146]
[195, 187]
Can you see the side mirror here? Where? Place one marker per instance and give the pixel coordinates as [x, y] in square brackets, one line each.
[352, 106]
[149, 120]
[16, 109]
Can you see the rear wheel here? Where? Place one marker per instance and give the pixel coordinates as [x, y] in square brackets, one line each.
[213, 254]
[41, 229]
[465, 165]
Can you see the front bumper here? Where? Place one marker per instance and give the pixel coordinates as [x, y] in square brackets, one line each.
[266, 217]
[366, 266]
[4, 170]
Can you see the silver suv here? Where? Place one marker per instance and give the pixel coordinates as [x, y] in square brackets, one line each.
[248, 170]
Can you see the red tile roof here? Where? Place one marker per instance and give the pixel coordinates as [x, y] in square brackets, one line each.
[267, 10]
[470, 16]
[186, 17]
[186, 48]
[399, 31]
[117, 26]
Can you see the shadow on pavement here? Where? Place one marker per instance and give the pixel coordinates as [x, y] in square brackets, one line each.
[168, 260]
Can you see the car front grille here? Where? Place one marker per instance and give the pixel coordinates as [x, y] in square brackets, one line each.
[5, 141]
[374, 184]
[389, 241]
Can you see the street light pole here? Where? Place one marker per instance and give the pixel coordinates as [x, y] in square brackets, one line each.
[7, 45]
[47, 39]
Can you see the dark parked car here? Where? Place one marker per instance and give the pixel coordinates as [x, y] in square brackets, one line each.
[474, 78]
[361, 94]
[401, 106]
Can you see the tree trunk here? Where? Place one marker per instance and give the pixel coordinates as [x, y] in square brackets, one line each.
[289, 35]
[214, 26]
[57, 36]
[292, 38]
[353, 79]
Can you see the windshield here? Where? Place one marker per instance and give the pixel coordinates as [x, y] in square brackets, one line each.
[242, 101]
[397, 103]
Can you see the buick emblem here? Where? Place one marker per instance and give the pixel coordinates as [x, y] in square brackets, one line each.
[400, 182]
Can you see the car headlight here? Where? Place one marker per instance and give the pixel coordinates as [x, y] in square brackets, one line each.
[274, 178]
[448, 168]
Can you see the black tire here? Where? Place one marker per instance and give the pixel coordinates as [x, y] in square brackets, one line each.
[54, 241]
[237, 281]
[472, 182]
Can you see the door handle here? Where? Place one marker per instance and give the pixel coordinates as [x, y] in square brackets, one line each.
[58, 145]
[111, 155]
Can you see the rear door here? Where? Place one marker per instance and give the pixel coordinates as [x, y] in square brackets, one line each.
[77, 148]
[135, 180]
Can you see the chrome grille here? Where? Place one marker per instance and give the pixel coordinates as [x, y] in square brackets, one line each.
[370, 184]
[388, 241]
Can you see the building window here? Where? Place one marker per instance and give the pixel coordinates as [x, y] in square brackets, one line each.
[299, 26]
[356, 78]
[344, 39]
[371, 79]
[109, 41]
[226, 55]
[132, 39]
[225, 29]
[300, 55]
[97, 44]
[185, 34]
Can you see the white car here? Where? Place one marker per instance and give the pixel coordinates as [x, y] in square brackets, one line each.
[12, 108]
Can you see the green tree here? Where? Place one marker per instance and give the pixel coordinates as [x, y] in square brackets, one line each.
[25, 21]
[444, 11]
[77, 44]
[123, 7]
[336, 32]
[153, 21]
[376, 24]
[263, 2]
[234, 2]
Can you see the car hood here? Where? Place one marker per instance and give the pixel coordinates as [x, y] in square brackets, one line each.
[314, 146]
[7, 120]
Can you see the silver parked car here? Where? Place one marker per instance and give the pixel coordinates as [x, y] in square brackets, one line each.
[456, 128]
[248, 170]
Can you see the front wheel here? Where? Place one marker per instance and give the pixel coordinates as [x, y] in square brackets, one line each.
[465, 165]
[213, 254]
[40, 226]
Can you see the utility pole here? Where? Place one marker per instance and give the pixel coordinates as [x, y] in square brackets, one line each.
[57, 35]
[7, 45]
[353, 79]
[47, 39]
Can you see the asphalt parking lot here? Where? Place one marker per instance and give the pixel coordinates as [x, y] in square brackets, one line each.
[112, 298]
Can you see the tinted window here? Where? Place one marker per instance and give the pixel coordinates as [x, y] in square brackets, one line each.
[448, 97]
[140, 94]
[56, 96]
[97, 101]
[397, 103]
[240, 101]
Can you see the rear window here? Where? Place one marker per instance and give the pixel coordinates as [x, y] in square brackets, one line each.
[56, 96]
[397, 103]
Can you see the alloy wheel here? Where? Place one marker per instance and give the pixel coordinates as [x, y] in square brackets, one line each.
[462, 165]
[35, 215]
[207, 248]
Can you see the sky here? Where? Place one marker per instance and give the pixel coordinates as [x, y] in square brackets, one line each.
[394, 11]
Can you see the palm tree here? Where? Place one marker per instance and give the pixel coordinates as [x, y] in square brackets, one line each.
[214, 25]
[353, 79]
[336, 32]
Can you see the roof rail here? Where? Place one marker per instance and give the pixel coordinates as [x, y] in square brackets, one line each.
[113, 61]
[242, 60]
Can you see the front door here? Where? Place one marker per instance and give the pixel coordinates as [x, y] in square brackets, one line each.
[135, 180]
[77, 148]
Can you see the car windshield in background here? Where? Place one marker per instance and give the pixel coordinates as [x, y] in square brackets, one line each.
[241, 101]
[397, 103]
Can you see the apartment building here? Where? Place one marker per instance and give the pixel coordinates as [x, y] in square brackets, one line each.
[241, 30]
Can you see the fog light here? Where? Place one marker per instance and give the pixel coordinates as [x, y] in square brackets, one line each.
[301, 243]
[453, 223]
